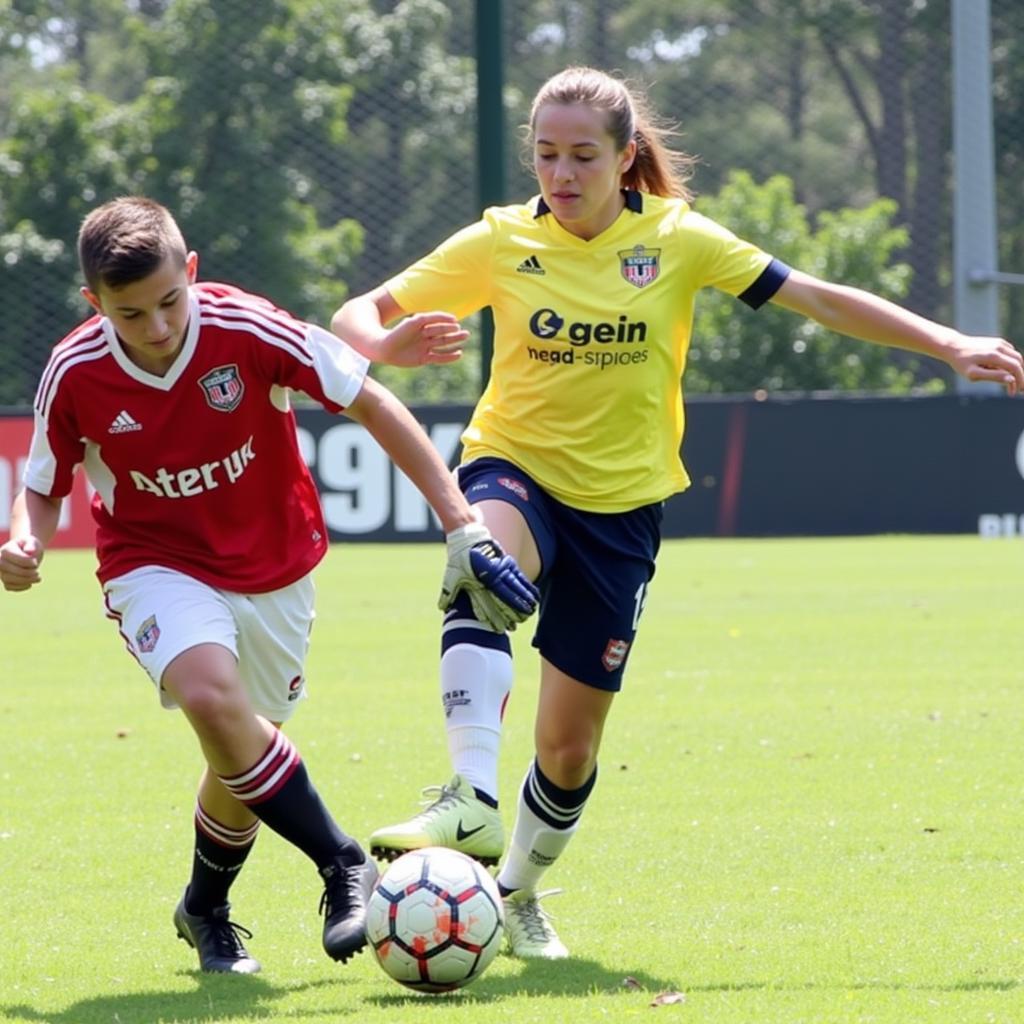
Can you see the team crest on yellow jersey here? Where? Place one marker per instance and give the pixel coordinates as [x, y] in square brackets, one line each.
[639, 265]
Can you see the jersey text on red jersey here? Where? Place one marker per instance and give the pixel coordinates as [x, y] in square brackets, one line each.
[187, 483]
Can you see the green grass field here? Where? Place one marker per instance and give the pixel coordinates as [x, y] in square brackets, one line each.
[809, 806]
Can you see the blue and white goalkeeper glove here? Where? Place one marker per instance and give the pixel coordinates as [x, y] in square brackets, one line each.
[501, 594]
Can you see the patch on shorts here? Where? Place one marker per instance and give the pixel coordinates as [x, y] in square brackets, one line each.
[614, 654]
[147, 636]
[515, 486]
[295, 688]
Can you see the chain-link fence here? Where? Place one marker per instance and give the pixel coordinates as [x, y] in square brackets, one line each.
[313, 147]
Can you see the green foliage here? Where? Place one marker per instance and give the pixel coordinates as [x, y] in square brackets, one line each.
[64, 151]
[738, 349]
[324, 256]
[210, 132]
[398, 172]
[236, 175]
[36, 270]
[312, 148]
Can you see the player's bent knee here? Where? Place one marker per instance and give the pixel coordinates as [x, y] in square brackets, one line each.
[212, 701]
[568, 763]
[207, 690]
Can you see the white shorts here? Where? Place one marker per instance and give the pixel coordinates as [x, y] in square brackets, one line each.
[161, 613]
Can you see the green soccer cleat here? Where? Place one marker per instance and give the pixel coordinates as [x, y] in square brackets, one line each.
[530, 932]
[457, 818]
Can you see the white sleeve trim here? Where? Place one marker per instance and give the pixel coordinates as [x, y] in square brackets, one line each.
[340, 367]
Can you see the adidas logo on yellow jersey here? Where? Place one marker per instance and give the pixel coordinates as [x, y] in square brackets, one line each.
[530, 266]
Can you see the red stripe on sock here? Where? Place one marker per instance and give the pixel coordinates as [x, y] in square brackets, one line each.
[267, 775]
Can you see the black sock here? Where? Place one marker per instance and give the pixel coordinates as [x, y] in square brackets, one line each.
[219, 855]
[278, 790]
[485, 798]
[558, 808]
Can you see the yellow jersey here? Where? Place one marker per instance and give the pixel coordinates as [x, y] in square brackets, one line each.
[585, 390]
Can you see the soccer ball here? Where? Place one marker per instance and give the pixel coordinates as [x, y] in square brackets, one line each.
[435, 919]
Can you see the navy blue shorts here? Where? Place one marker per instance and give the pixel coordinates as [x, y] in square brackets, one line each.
[595, 568]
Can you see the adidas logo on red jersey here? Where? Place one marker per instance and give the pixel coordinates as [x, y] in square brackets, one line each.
[123, 424]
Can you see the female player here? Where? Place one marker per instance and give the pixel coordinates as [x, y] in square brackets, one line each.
[574, 444]
[174, 397]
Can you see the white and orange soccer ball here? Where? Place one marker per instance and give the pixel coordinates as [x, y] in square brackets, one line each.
[435, 919]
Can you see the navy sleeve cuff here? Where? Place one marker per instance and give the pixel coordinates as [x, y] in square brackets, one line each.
[767, 284]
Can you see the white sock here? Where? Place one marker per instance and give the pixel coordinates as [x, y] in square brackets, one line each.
[542, 830]
[475, 684]
[534, 848]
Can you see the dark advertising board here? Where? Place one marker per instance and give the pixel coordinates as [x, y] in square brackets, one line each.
[778, 467]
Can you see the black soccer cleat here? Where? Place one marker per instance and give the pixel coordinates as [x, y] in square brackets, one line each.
[347, 890]
[217, 940]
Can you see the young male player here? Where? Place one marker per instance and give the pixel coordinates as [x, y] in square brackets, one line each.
[174, 398]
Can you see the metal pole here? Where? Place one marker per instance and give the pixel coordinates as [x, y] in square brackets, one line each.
[490, 113]
[975, 260]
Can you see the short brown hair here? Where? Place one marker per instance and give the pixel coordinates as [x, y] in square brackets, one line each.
[125, 240]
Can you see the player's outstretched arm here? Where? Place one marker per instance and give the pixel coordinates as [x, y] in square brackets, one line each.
[34, 519]
[501, 594]
[414, 341]
[860, 314]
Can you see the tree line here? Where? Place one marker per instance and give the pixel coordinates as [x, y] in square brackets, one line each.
[312, 147]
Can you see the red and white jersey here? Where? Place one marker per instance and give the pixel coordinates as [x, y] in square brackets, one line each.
[198, 470]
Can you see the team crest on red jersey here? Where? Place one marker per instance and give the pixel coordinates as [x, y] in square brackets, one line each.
[147, 636]
[223, 388]
[639, 265]
[614, 654]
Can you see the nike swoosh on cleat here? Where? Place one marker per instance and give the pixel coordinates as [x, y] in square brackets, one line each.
[461, 834]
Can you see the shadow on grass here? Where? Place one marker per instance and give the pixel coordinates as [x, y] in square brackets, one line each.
[216, 997]
[573, 977]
